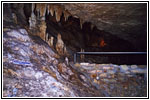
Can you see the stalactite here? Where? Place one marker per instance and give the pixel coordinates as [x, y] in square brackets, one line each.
[66, 14]
[47, 9]
[41, 9]
[81, 23]
[58, 13]
[33, 7]
[51, 9]
[38, 10]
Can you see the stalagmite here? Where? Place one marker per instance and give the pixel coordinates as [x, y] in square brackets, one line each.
[30, 23]
[42, 32]
[46, 37]
[59, 45]
[65, 51]
[51, 41]
[67, 60]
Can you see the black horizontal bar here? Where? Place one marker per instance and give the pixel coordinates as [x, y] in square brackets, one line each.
[110, 53]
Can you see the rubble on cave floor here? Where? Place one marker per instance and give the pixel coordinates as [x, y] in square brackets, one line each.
[31, 69]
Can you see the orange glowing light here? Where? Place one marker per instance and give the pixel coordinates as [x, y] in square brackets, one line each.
[102, 43]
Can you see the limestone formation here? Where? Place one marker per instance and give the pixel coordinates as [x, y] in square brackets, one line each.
[58, 13]
[32, 21]
[51, 41]
[66, 14]
[46, 39]
[59, 44]
[81, 23]
[42, 28]
[67, 60]
[41, 9]
[51, 9]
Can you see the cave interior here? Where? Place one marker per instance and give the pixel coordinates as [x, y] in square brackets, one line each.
[82, 27]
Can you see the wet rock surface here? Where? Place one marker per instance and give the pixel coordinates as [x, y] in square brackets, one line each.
[31, 70]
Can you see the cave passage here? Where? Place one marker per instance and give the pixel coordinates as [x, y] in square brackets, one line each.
[90, 39]
[50, 50]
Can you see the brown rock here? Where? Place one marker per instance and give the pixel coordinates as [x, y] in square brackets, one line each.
[95, 81]
[95, 71]
[77, 64]
[93, 75]
[103, 75]
[49, 71]
[5, 59]
[13, 73]
[107, 68]
[56, 56]
[62, 68]
[42, 28]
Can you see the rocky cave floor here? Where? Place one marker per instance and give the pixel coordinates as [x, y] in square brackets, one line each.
[32, 69]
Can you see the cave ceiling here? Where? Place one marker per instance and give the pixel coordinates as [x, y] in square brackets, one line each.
[126, 20]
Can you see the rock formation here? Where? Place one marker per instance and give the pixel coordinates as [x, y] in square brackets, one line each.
[59, 45]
